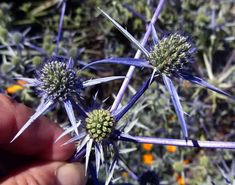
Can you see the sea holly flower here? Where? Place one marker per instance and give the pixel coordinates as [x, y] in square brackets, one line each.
[101, 131]
[168, 58]
[56, 81]
[20, 40]
[98, 129]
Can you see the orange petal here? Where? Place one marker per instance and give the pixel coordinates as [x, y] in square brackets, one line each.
[186, 161]
[180, 180]
[125, 174]
[148, 159]
[147, 147]
[14, 88]
[171, 149]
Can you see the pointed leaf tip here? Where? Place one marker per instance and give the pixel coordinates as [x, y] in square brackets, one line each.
[101, 80]
[124, 61]
[69, 110]
[176, 102]
[88, 152]
[154, 34]
[43, 108]
[126, 33]
[203, 83]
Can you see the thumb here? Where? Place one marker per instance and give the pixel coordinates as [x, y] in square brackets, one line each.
[71, 174]
[53, 173]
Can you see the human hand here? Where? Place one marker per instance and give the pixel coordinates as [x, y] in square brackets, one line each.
[34, 158]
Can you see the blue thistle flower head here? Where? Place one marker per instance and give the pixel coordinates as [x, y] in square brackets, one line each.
[171, 54]
[100, 124]
[99, 129]
[18, 37]
[58, 80]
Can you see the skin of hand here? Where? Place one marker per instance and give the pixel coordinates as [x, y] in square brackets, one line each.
[34, 158]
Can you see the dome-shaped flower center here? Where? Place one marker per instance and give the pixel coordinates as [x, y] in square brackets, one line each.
[171, 54]
[99, 124]
[58, 82]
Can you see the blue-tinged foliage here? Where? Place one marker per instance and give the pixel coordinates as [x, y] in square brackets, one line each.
[59, 37]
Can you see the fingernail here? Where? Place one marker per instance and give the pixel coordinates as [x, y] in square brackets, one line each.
[71, 174]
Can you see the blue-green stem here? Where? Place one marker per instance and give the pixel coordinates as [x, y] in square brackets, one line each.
[130, 72]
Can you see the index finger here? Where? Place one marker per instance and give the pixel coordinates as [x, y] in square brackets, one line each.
[38, 140]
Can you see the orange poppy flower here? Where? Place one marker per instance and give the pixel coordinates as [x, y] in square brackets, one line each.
[186, 161]
[148, 159]
[147, 147]
[171, 149]
[125, 174]
[14, 88]
[180, 180]
[18, 86]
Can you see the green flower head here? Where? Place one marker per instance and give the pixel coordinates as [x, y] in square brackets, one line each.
[99, 124]
[58, 81]
[171, 54]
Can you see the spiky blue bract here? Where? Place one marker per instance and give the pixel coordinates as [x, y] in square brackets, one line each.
[92, 82]
[75, 138]
[111, 171]
[43, 108]
[40, 50]
[93, 173]
[201, 82]
[30, 81]
[154, 35]
[88, 152]
[126, 33]
[70, 130]
[123, 61]
[69, 110]
[97, 159]
[176, 102]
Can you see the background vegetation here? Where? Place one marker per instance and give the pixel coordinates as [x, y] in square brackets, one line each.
[88, 36]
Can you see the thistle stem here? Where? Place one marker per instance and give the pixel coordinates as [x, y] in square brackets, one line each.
[178, 142]
[93, 174]
[130, 72]
[60, 27]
